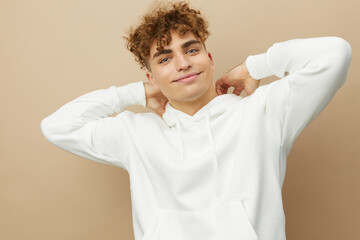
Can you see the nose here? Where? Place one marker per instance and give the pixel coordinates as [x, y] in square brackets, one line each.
[182, 63]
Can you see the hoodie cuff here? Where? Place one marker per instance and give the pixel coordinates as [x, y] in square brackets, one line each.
[131, 94]
[258, 66]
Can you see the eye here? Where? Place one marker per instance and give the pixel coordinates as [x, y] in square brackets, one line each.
[193, 50]
[164, 60]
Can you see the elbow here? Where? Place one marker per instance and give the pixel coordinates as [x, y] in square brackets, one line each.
[48, 130]
[338, 59]
[342, 51]
[44, 127]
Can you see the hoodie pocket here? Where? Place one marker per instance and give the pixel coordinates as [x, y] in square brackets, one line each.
[226, 222]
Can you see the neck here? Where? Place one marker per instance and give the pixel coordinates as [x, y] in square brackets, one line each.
[191, 107]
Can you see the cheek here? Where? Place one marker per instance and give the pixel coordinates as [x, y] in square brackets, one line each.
[207, 68]
[204, 62]
[162, 78]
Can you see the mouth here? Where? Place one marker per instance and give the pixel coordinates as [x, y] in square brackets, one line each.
[187, 78]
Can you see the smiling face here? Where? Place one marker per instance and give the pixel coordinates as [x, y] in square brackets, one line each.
[183, 70]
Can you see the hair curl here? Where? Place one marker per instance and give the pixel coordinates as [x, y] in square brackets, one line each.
[157, 25]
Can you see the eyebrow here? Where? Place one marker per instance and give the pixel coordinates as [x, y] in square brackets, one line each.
[184, 45]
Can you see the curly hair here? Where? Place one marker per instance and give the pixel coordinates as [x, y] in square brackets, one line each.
[157, 25]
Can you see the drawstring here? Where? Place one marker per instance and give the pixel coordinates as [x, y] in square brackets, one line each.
[180, 138]
[212, 147]
[215, 160]
[218, 106]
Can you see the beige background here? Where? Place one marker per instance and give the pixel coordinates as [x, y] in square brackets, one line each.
[54, 51]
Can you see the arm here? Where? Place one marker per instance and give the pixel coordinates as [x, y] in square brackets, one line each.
[83, 126]
[316, 67]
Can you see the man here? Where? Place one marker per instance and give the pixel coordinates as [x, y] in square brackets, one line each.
[206, 165]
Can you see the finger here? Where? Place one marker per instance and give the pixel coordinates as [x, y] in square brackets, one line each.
[219, 86]
[238, 90]
[220, 91]
[249, 92]
[224, 88]
[218, 83]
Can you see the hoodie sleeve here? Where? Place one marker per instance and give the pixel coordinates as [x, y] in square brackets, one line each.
[84, 126]
[311, 71]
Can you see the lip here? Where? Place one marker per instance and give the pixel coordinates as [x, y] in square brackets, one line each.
[188, 77]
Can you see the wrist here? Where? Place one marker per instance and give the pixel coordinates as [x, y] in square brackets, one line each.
[245, 69]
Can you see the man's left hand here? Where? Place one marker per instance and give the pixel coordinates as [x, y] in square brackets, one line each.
[240, 79]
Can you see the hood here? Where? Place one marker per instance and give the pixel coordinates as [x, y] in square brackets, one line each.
[178, 120]
[216, 106]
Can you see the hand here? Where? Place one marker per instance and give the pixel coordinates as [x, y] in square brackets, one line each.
[240, 79]
[155, 99]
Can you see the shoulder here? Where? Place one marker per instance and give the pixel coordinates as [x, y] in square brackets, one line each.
[140, 119]
[258, 96]
[270, 97]
[130, 115]
[273, 90]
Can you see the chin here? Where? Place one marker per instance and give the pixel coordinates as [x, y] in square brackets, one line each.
[198, 93]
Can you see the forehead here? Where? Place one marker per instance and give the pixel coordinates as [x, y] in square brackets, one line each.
[176, 41]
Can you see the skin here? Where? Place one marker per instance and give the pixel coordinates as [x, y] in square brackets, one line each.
[239, 78]
[178, 60]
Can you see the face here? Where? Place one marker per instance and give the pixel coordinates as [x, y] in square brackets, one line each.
[183, 70]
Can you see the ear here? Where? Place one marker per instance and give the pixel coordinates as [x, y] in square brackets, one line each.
[150, 78]
[212, 62]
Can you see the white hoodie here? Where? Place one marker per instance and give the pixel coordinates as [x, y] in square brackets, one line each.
[216, 175]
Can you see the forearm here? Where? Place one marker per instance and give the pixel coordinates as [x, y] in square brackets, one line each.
[293, 55]
[92, 106]
[317, 68]
[83, 126]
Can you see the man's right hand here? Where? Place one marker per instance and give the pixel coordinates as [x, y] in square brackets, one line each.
[155, 99]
